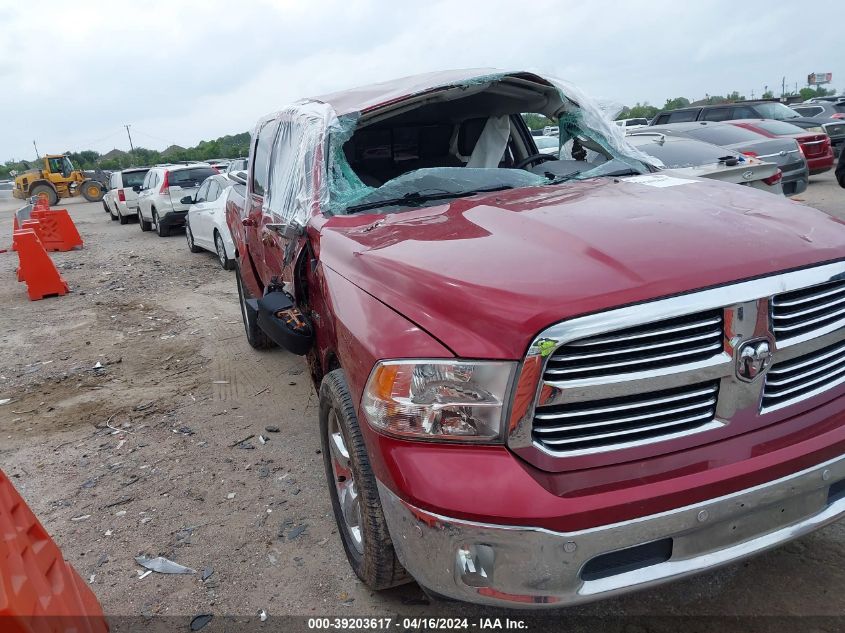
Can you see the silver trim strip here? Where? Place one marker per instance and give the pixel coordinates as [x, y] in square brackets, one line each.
[821, 306]
[707, 415]
[787, 367]
[783, 392]
[809, 298]
[604, 340]
[623, 407]
[630, 350]
[639, 361]
[803, 324]
[631, 418]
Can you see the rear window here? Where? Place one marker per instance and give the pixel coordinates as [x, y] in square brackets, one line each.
[132, 178]
[637, 122]
[190, 177]
[679, 117]
[723, 135]
[779, 127]
[680, 152]
[809, 111]
[775, 111]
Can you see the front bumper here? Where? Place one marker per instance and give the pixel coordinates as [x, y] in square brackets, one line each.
[533, 567]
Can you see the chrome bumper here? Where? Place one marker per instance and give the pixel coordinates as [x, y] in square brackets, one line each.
[532, 567]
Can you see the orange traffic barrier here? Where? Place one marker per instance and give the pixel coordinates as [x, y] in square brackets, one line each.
[36, 268]
[39, 590]
[58, 232]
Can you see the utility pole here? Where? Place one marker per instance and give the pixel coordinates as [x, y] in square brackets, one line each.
[37, 155]
[783, 87]
[131, 147]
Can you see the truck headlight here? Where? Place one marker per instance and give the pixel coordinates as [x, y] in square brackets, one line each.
[455, 400]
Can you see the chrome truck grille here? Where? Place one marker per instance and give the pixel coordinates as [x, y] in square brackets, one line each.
[599, 423]
[662, 344]
[713, 362]
[808, 310]
[797, 379]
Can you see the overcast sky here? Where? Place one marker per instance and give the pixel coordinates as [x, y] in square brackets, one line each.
[74, 72]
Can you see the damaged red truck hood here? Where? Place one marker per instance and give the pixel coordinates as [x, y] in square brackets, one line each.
[485, 274]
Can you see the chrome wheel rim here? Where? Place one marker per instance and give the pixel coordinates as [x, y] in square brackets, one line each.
[221, 250]
[344, 483]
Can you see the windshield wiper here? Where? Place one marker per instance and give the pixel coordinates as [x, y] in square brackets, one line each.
[415, 199]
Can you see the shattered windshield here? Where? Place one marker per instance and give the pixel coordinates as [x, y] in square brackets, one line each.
[432, 185]
[469, 138]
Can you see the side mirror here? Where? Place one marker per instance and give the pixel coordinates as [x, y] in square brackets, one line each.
[187, 200]
[136, 188]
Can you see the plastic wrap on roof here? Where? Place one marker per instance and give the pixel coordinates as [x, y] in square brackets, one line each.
[310, 171]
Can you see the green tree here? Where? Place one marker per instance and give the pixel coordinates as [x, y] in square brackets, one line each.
[677, 102]
[533, 121]
[768, 95]
[809, 93]
[639, 110]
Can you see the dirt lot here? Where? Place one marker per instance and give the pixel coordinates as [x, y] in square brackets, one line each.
[142, 455]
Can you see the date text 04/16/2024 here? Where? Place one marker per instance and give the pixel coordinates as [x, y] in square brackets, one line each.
[416, 624]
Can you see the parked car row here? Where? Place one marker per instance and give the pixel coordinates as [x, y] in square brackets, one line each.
[169, 196]
[811, 119]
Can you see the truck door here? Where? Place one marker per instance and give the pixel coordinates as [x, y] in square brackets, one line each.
[287, 205]
[253, 212]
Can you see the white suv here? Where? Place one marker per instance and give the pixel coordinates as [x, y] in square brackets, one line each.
[121, 200]
[160, 205]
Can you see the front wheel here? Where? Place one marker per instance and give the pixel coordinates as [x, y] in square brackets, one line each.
[255, 336]
[353, 491]
[44, 190]
[123, 219]
[92, 191]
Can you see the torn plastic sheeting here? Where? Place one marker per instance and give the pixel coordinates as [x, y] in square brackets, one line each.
[310, 131]
[163, 565]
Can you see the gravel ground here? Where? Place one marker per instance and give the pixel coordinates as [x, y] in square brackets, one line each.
[143, 456]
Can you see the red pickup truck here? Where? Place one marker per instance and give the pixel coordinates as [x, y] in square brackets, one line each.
[543, 379]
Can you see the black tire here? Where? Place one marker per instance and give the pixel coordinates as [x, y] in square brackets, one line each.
[106, 207]
[52, 196]
[92, 190]
[122, 218]
[114, 218]
[161, 231]
[189, 236]
[255, 336]
[146, 225]
[377, 565]
[222, 257]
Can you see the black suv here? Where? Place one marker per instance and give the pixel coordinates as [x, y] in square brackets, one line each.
[835, 128]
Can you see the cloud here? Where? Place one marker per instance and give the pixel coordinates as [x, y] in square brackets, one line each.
[179, 72]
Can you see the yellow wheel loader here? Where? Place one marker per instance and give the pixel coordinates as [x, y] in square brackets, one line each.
[56, 178]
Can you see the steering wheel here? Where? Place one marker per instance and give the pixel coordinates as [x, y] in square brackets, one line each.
[534, 158]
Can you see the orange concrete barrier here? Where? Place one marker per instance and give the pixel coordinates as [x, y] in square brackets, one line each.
[36, 268]
[39, 590]
[58, 232]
